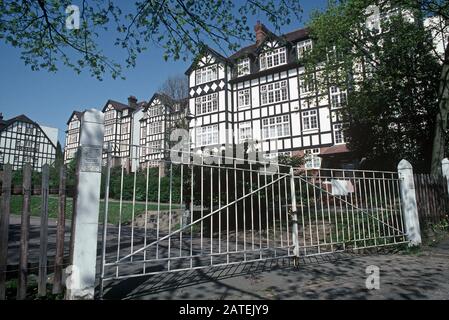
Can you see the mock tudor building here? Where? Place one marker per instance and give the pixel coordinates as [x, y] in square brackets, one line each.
[118, 127]
[161, 115]
[121, 129]
[25, 141]
[72, 136]
[262, 93]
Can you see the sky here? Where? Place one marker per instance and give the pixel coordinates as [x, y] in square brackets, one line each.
[50, 98]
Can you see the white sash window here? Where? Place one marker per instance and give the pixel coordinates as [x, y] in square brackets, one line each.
[309, 120]
[306, 84]
[274, 92]
[273, 58]
[303, 48]
[245, 131]
[155, 127]
[244, 98]
[312, 159]
[207, 135]
[206, 104]
[338, 134]
[206, 74]
[243, 67]
[338, 97]
[154, 111]
[275, 127]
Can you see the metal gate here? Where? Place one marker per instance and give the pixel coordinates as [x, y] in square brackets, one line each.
[342, 210]
[216, 211]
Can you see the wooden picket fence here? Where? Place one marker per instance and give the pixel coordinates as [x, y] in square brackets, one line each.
[23, 269]
[432, 198]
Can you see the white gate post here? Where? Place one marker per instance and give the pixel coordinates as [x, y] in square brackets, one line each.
[445, 169]
[81, 280]
[295, 238]
[409, 206]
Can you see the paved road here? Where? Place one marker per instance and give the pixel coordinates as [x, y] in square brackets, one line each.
[402, 276]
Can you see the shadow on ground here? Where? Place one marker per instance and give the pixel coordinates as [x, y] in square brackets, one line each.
[334, 276]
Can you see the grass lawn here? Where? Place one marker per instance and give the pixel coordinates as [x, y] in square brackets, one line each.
[114, 208]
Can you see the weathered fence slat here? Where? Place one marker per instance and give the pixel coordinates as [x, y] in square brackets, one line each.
[432, 198]
[4, 226]
[42, 282]
[59, 259]
[24, 234]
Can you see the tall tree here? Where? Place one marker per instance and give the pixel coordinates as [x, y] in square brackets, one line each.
[176, 87]
[48, 32]
[384, 56]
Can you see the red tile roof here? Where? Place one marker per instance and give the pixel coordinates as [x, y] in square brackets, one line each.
[339, 148]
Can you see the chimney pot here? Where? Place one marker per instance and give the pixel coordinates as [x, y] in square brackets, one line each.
[260, 30]
[132, 101]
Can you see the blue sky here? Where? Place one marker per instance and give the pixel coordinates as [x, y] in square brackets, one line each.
[50, 98]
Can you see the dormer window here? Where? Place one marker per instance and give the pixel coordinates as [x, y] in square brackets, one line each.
[243, 67]
[303, 48]
[273, 58]
[206, 74]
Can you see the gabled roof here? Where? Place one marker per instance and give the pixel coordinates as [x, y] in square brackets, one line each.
[294, 36]
[117, 105]
[204, 50]
[23, 118]
[168, 101]
[79, 114]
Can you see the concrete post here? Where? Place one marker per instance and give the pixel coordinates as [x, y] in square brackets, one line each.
[81, 279]
[445, 170]
[409, 206]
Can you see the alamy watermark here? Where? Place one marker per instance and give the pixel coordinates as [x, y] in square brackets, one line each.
[72, 22]
[248, 152]
[372, 282]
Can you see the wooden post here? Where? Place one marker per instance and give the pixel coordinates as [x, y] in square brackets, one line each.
[24, 234]
[74, 201]
[42, 283]
[4, 226]
[60, 233]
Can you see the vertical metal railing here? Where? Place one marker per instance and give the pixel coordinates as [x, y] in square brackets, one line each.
[215, 211]
[348, 210]
[105, 218]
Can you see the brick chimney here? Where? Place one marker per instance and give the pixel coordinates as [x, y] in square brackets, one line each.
[132, 101]
[261, 32]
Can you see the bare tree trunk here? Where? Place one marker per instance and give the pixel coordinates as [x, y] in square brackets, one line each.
[439, 139]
